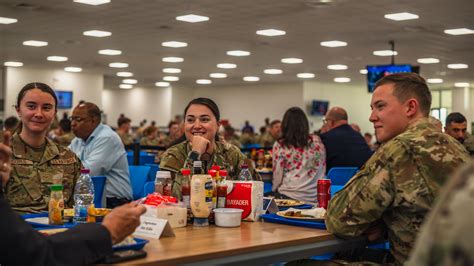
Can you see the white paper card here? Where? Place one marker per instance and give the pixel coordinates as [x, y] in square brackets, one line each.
[151, 227]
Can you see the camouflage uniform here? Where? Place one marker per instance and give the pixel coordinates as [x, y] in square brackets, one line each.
[397, 186]
[65, 139]
[447, 236]
[225, 155]
[150, 142]
[266, 140]
[247, 139]
[168, 140]
[34, 170]
[469, 144]
[126, 138]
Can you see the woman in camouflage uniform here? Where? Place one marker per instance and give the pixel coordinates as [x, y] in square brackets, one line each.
[201, 142]
[38, 162]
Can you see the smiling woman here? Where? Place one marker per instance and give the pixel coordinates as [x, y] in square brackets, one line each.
[38, 162]
[201, 143]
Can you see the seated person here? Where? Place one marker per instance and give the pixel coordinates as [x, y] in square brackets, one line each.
[345, 147]
[456, 127]
[299, 159]
[267, 139]
[201, 142]
[174, 133]
[398, 185]
[123, 130]
[38, 162]
[101, 150]
[150, 137]
[64, 134]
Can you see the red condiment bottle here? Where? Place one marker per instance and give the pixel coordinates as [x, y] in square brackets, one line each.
[222, 190]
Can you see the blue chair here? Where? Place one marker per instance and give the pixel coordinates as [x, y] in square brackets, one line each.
[341, 175]
[99, 187]
[138, 177]
[144, 158]
[267, 187]
[148, 188]
[334, 189]
[153, 169]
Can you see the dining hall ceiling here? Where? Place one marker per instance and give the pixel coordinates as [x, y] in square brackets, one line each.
[139, 27]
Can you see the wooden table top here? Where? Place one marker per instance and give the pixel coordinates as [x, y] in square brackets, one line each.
[193, 244]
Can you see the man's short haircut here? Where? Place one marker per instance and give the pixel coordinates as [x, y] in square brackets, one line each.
[11, 123]
[92, 109]
[123, 120]
[455, 118]
[65, 125]
[409, 85]
[171, 123]
[337, 114]
[274, 122]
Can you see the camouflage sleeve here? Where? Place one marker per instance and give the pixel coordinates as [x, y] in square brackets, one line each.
[236, 159]
[173, 160]
[363, 200]
[77, 173]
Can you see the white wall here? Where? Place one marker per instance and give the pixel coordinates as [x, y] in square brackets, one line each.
[84, 86]
[353, 98]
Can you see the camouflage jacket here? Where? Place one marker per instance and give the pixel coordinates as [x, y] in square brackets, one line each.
[225, 155]
[65, 139]
[397, 186]
[151, 142]
[126, 138]
[266, 140]
[446, 237]
[28, 188]
[469, 144]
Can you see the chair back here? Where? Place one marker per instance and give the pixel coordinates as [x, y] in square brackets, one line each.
[138, 177]
[153, 169]
[99, 187]
[149, 188]
[341, 175]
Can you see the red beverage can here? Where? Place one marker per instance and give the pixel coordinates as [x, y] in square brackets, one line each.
[324, 192]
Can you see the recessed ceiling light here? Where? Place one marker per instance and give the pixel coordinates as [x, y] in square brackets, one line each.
[460, 31]
[292, 60]
[110, 52]
[118, 65]
[462, 84]
[401, 16]
[428, 60]
[4, 20]
[333, 44]
[35, 43]
[172, 59]
[191, 18]
[92, 2]
[271, 32]
[171, 70]
[57, 58]
[273, 71]
[126, 86]
[13, 64]
[203, 81]
[174, 44]
[218, 75]
[97, 33]
[170, 78]
[251, 78]
[363, 71]
[458, 66]
[130, 81]
[162, 84]
[226, 65]
[385, 53]
[305, 75]
[435, 80]
[73, 69]
[342, 80]
[124, 74]
[337, 67]
[238, 53]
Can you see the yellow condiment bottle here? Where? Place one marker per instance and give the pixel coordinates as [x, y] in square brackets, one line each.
[56, 205]
[201, 195]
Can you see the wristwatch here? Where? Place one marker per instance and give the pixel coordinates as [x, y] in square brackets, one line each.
[194, 155]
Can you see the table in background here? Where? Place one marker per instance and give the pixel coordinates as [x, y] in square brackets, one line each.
[252, 243]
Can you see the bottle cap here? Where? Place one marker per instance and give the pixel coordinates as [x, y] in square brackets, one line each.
[85, 171]
[212, 173]
[223, 172]
[163, 174]
[185, 171]
[197, 164]
[216, 167]
[244, 166]
[56, 187]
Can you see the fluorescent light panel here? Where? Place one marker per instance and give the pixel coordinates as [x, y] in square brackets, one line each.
[292, 60]
[305, 75]
[130, 81]
[174, 44]
[162, 84]
[124, 74]
[203, 81]
[118, 65]
[73, 69]
[110, 52]
[56, 58]
[428, 60]
[126, 86]
[460, 31]
[171, 70]
[434, 80]
[273, 71]
[192, 18]
[337, 67]
[218, 75]
[363, 71]
[92, 2]
[13, 64]
[462, 84]
[342, 80]
[172, 59]
[251, 78]
[458, 66]
[238, 53]
[385, 53]
[35, 43]
[401, 16]
[4, 20]
[170, 78]
[97, 33]
[271, 32]
[226, 65]
[333, 44]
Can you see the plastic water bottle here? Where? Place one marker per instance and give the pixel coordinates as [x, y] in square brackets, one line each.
[245, 174]
[83, 196]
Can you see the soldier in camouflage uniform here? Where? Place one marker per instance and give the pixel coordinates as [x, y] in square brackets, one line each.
[397, 186]
[456, 127]
[201, 127]
[37, 162]
[123, 131]
[447, 235]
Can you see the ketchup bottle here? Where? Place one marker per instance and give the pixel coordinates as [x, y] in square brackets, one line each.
[222, 190]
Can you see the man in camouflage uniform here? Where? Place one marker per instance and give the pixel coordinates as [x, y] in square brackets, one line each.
[447, 235]
[124, 130]
[397, 186]
[225, 155]
[267, 139]
[174, 132]
[456, 127]
[34, 170]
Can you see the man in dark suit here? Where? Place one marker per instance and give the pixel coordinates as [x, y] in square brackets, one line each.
[344, 146]
[84, 244]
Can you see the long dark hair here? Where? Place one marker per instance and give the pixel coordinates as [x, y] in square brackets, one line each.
[295, 128]
[209, 104]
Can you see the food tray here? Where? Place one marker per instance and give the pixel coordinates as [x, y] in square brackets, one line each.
[35, 220]
[302, 207]
[273, 218]
[140, 243]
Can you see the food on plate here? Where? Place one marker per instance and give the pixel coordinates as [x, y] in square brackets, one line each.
[297, 214]
[69, 212]
[52, 231]
[129, 240]
[316, 213]
[287, 202]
